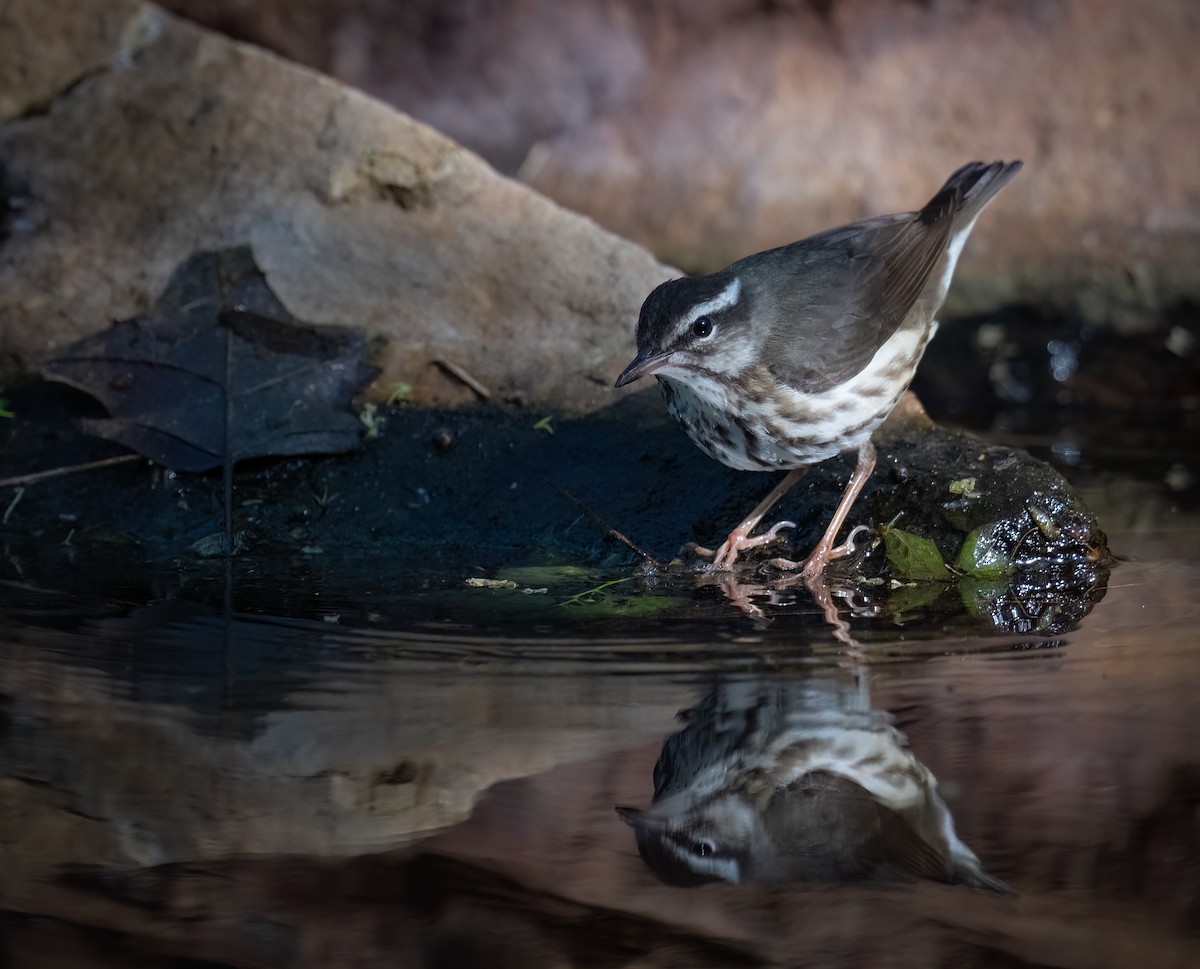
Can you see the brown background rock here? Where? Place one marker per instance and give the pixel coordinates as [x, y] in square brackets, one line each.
[708, 130]
[130, 139]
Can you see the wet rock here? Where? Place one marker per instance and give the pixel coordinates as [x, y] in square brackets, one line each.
[988, 509]
[1015, 548]
[1022, 552]
[131, 140]
[710, 130]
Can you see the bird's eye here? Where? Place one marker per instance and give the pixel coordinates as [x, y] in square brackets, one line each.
[702, 848]
[702, 327]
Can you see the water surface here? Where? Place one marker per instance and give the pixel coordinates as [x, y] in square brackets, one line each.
[384, 781]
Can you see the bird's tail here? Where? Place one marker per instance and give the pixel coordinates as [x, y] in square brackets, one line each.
[968, 190]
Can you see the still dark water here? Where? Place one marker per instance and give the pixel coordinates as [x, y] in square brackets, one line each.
[342, 786]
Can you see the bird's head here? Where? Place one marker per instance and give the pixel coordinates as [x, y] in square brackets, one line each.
[695, 324]
[687, 844]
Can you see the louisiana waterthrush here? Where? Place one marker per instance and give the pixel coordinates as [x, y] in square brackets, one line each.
[791, 356]
[782, 780]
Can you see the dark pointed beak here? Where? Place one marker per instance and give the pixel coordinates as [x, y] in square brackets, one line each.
[630, 815]
[644, 363]
[639, 819]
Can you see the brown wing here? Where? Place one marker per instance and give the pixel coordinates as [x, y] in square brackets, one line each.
[834, 829]
[838, 296]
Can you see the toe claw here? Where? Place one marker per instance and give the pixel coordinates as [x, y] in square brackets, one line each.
[739, 541]
[848, 547]
[773, 532]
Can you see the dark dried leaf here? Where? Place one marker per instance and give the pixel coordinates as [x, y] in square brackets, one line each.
[219, 371]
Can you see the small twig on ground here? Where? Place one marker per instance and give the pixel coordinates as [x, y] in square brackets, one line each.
[460, 374]
[11, 505]
[35, 477]
[588, 595]
[597, 520]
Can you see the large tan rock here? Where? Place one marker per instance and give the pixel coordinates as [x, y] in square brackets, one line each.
[131, 139]
[710, 129]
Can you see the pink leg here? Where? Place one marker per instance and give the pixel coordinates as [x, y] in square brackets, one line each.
[825, 550]
[739, 539]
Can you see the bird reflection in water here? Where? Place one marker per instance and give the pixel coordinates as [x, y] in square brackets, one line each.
[797, 780]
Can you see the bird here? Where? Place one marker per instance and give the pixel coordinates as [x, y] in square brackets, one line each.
[796, 781]
[791, 356]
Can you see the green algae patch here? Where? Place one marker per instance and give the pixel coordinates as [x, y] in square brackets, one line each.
[551, 575]
[573, 592]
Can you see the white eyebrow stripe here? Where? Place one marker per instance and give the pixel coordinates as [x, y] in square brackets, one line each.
[722, 301]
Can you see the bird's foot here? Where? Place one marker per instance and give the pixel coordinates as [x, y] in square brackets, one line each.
[822, 555]
[848, 547]
[739, 541]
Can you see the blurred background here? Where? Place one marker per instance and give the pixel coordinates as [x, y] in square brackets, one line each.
[709, 129]
[368, 773]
